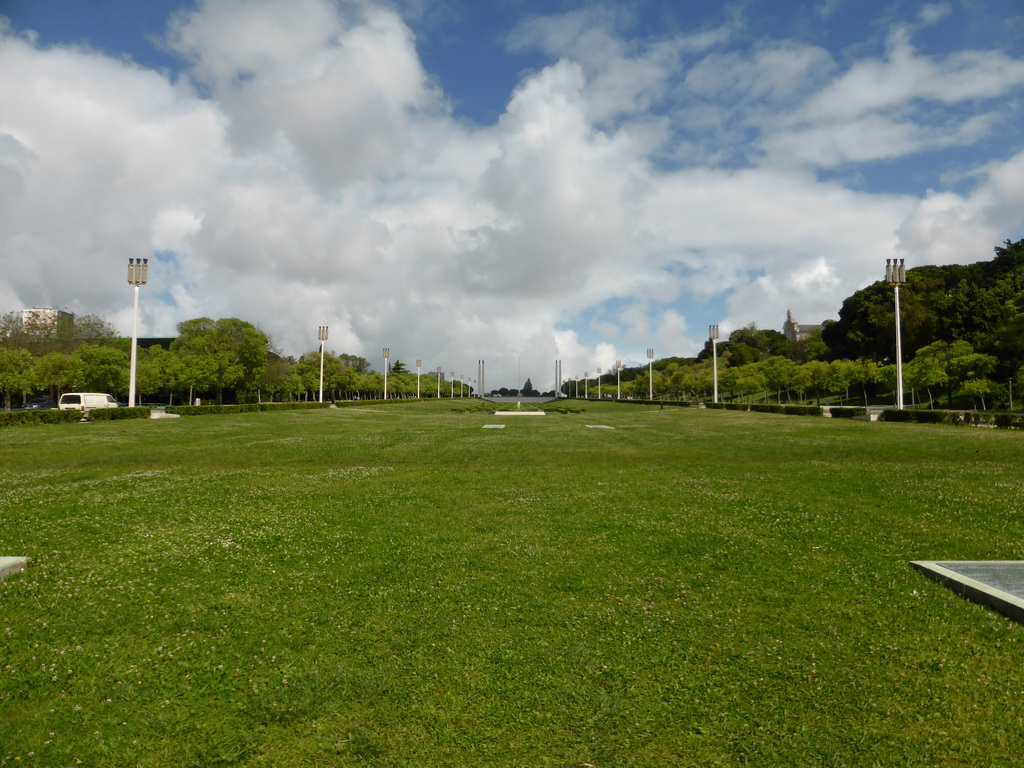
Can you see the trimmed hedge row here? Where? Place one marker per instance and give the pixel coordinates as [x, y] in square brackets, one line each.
[956, 418]
[673, 403]
[112, 414]
[785, 410]
[389, 401]
[208, 410]
[25, 418]
[844, 412]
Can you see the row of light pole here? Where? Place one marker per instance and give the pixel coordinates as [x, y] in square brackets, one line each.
[586, 380]
[895, 275]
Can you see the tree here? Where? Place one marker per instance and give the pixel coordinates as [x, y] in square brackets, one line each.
[16, 373]
[104, 367]
[864, 372]
[233, 352]
[817, 374]
[399, 367]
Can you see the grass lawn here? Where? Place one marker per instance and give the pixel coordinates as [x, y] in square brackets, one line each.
[397, 586]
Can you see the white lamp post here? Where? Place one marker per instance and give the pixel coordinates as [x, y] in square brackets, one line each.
[650, 374]
[137, 274]
[462, 385]
[577, 386]
[439, 382]
[586, 381]
[713, 336]
[598, 383]
[618, 380]
[453, 385]
[321, 334]
[386, 352]
[419, 363]
[896, 275]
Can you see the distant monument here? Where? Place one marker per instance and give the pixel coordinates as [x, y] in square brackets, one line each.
[795, 332]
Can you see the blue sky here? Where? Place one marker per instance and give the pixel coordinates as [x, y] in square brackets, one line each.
[516, 180]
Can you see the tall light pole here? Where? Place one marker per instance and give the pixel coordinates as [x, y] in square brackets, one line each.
[386, 353]
[453, 385]
[137, 274]
[419, 363]
[650, 374]
[618, 380]
[321, 334]
[896, 275]
[713, 336]
[598, 383]
[586, 378]
[462, 385]
[577, 387]
[439, 382]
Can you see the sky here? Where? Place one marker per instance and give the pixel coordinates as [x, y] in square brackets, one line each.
[517, 181]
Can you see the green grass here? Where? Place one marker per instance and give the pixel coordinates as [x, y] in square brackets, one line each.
[395, 586]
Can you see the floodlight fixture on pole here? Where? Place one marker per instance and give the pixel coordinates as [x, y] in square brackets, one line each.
[577, 395]
[321, 334]
[138, 272]
[618, 380]
[713, 337]
[419, 364]
[386, 354]
[650, 374]
[896, 275]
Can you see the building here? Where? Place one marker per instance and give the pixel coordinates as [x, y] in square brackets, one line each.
[797, 333]
[44, 318]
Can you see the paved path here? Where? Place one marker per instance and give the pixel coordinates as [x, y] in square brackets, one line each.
[999, 584]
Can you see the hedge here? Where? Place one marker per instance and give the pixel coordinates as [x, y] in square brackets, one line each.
[26, 418]
[111, 414]
[389, 401]
[208, 410]
[958, 418]
[673, 403]
[843, 412]
[785, 410]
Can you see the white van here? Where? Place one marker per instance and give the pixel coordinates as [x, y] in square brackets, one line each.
[85, 401]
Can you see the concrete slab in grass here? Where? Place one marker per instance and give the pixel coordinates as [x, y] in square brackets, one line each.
[998, 584]
[494, 426]
[9, 565]
[599, 426]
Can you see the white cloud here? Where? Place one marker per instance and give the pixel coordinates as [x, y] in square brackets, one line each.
[313, 176]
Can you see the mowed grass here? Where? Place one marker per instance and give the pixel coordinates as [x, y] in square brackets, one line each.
[398, 586]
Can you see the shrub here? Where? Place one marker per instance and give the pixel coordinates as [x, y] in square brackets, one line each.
[932, 417]
[895, 414]
[28, 418]
[838, 412]
[1009, 420]
[787, 410]
[206, 410]
[110, 414]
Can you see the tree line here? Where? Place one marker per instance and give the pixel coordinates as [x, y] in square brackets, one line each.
[962, 331]
[226, 359]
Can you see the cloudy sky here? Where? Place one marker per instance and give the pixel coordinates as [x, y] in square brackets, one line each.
[514, 180]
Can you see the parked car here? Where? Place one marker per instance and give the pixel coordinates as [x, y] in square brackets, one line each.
[85, 401]
[40, 404]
